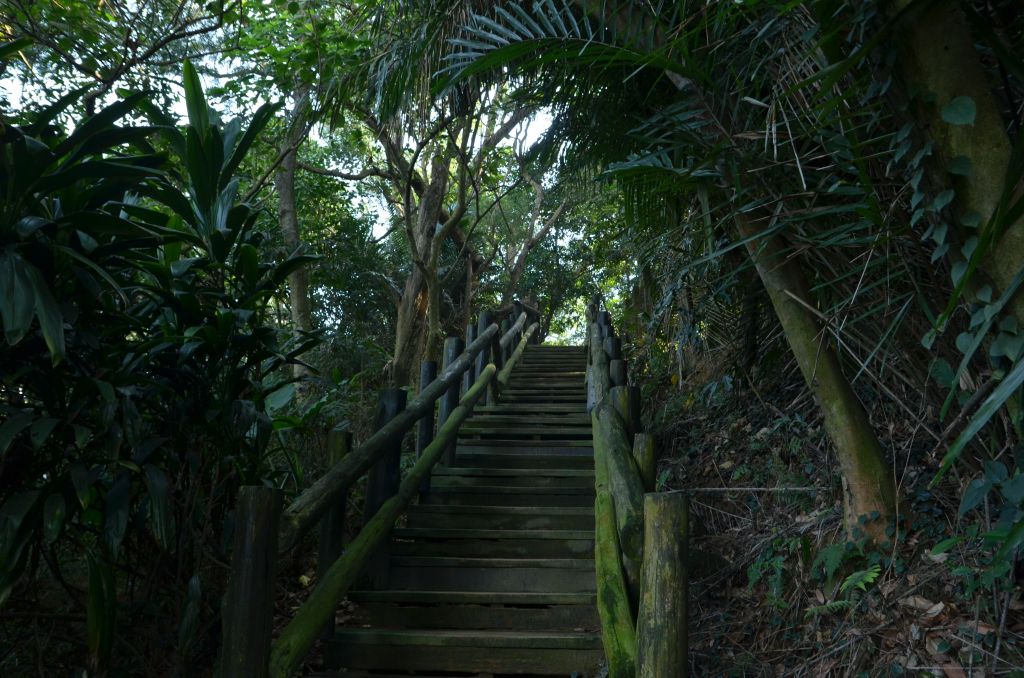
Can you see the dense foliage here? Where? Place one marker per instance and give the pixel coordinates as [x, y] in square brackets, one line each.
[806, 217]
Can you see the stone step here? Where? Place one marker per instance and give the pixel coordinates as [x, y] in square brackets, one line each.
[522, 461]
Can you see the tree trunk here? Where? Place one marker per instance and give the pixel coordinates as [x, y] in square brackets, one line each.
[284, 183]
[412, 314]
[937, 59]
[869, 487]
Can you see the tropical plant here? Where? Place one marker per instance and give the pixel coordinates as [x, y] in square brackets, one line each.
[136, 292]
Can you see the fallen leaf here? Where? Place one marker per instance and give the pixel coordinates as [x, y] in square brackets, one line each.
[954, 671]
[917, 602]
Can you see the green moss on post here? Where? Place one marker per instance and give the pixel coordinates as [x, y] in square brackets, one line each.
[612, 445]
[617, 625]
[647, 464]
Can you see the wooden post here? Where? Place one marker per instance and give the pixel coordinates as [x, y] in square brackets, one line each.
[626, 400]
[617, 628]
[332, 525]
[597, 379]
[453, 346]
[484, 357]
[248, 614]
[613, 347]
[425, 426]
[506, 351]
[617, 372]
[646, 463]
[614, 449]
[470, 375]
[661, 625]
[384, 480]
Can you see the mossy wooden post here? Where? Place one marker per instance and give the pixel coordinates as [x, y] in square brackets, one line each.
[617, 631]
[617, 372]
[384, 480]
[646, 463]
[661, 624]
[626, 400]
[332, 526]
[453, 346]
[248, 614]
[612, 445]
[425, 426]
[470, 375]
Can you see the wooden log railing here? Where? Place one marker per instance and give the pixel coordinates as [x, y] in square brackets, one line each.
[263, 530]
[640, 539]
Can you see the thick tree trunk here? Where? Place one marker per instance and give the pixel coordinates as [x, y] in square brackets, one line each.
[869, 486]
[937, 60]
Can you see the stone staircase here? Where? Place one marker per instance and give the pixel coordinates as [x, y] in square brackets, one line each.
[493, 572]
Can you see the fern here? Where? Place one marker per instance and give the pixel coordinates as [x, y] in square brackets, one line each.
[829, 559]
[830, 607]
[861, 579]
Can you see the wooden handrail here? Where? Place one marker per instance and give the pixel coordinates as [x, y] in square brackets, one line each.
[506, 373]
[312, 504]
[300, 634]
[630, 527]
[507, 338]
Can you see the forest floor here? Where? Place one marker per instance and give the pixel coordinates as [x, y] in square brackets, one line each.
[778, 590]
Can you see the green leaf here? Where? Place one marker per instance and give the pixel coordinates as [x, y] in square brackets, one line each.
[195, 100]
[945, 545]
[82, 480]
[115, 512]
[974, 494]
[1012, 489]
[988, 409]
[41, 430]
[961, 166]
[861, 579]
[14, 425]
[101, 611]
[17, 299]
[10, 48]
[54, 514]
[960, 111]
[161, 521]
[50, 319]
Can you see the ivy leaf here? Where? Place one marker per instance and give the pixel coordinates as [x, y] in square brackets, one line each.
[1013, 489]
[960, 111]
[961, 166]
[975, 494]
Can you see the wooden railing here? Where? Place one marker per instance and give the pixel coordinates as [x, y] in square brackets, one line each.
[263, 530]
[640, 536]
